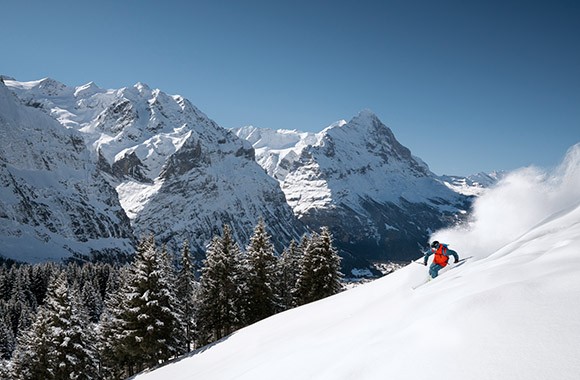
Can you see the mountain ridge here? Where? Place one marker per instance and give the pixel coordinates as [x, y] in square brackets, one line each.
[156, 148]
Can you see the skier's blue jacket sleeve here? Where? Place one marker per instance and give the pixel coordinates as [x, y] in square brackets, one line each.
[449, 252]
[426, 254]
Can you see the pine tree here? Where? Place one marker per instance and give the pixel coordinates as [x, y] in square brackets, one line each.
[21, 291]
[4, 369]
[141, 328]
[220, 304]
[186, 293]
[5, 283]
[92, 300]
[115, 358]
[19, 316]
[167, 281]
[87, 278]
[7, 341]
[31, 359]
[58, 344]
[288, 273]
[40, 277]
[260, 276]
[75, 355]
[320, 269]
[21, 307]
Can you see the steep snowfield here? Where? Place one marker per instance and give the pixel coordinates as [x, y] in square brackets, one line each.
[512, 311]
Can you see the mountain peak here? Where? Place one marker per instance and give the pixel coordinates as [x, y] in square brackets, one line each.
[50, 86]
[142, 87]
[44, 87]
[367, 113]
[366, 118]
[87, 89]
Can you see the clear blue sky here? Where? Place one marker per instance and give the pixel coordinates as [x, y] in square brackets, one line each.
[468, 86]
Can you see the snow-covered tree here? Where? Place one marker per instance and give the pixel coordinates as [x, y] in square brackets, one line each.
[186, 293]
[31, 359]
[5, 283]
[220, 303]
[21, 291]
[288, 273]
[260, 276]
[59, 344]
[320, 269]
[115, 358]
[40, 277]
[141, 328]
[7, 341]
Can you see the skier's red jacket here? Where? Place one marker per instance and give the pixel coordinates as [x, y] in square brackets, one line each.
[442, 254]
[441, 257]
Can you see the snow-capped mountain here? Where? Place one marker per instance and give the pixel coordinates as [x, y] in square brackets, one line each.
[177, 173]
[379, 200]
[473, 185]
[53, 200]
[510, 311]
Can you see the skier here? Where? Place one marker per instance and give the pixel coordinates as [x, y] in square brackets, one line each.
[441, 258]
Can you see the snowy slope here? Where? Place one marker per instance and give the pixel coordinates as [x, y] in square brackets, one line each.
[177, 173]
[53, 200]
[510, 312]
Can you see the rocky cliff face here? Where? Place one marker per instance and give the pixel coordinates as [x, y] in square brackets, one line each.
[178, 174]
[53, 200]
[380, 201]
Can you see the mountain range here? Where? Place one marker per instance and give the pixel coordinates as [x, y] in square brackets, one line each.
[89, 171]
[177, 174]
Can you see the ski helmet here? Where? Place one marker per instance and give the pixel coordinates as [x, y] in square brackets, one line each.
[435, 244]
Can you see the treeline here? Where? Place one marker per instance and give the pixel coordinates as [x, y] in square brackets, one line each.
[106, 321]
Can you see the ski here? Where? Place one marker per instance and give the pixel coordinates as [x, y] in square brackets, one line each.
[450, 267]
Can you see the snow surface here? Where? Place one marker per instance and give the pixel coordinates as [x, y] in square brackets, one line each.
[512, 311]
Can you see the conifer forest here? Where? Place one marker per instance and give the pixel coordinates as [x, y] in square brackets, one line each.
[110, 320]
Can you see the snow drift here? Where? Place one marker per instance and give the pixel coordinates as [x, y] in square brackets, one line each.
[511, 312]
